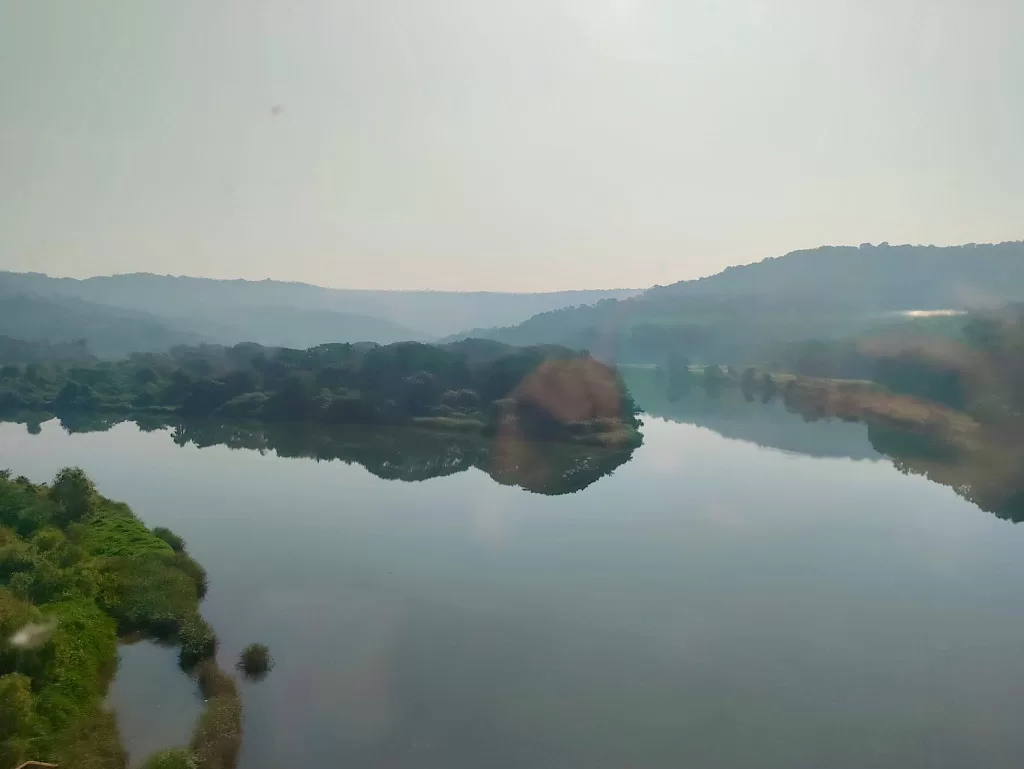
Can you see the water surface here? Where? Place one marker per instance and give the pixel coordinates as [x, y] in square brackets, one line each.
[712, 602]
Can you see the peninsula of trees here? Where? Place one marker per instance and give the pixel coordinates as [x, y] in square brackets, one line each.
[547, 393]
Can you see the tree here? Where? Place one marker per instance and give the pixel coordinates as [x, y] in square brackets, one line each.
[240, 381]
[74, 493]
[16, 718]
[75, 396]
[204, 396]
[295, 401]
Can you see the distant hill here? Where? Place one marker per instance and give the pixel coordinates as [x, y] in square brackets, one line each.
[824, 292]
[27, 351]
[871, 277]
[109, 332]
[404, 315]
[282, 326]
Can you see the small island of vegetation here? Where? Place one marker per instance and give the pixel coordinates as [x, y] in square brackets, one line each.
[255, 661]
[78, 573]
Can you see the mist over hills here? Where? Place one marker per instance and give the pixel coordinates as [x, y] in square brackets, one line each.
[822, 292]
[870, 277]
[110, 332]
[142, 312]
[428, 313]
[827, 292]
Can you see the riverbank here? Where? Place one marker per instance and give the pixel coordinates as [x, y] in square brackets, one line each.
[78, 572]
[868, 402]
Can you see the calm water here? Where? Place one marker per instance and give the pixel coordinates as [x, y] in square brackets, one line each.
[712, 602]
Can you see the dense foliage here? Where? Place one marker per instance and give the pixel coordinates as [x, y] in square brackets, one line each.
[469, 385]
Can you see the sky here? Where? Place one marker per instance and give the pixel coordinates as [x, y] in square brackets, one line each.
[487, 144]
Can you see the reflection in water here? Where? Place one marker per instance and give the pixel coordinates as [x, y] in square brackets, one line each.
[731, 415]
[987, 470]
[711, 604]
[391, 453]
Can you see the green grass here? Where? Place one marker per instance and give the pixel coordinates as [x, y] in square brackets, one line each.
[114, 530]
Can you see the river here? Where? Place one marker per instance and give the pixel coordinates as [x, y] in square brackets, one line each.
[747, 589]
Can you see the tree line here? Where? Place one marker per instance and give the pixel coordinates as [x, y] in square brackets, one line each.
[469, 385]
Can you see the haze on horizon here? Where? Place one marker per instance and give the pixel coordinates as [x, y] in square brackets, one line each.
[511, 146]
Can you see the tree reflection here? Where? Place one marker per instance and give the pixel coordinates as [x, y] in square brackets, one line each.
[393, 453]
[984, 466]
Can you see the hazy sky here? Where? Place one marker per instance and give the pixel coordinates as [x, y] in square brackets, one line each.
[501, 144]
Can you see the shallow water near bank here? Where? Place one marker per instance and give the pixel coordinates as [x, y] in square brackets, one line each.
[156, 704]
[715, 601]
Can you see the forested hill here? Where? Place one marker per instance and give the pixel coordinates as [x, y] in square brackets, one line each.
[824, 292]
[868, 277]
[108, 332]
[207, 303]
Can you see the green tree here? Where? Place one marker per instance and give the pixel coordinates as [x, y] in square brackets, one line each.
[74, 493]
[16, 718]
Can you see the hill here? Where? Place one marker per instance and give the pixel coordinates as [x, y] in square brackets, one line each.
[282, 326]
[109, 332]
[877, 278]
[430, 313]
[826, 292]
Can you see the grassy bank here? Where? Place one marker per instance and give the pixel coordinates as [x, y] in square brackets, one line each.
[78, 571]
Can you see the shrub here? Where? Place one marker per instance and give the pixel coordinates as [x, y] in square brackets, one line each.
[91, 742]
[48, 539]
[177, 543]
[175, 758]
[255, 661]
[17, 721]
[198, 641]
[193, 569]
[14, 558]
